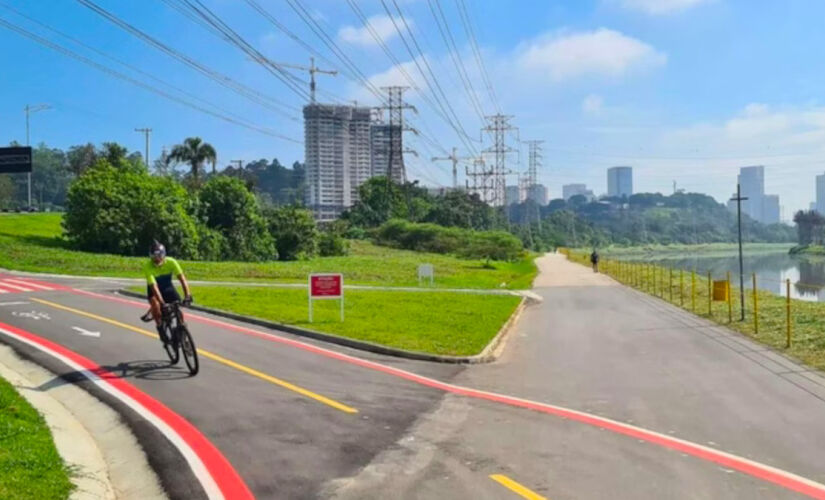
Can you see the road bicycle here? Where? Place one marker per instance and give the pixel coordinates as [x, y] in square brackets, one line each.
[177, 337]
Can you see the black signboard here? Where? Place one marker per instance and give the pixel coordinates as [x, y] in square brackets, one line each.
[15, 160]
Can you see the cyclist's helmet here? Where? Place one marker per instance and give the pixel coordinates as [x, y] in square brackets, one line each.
[157, 250]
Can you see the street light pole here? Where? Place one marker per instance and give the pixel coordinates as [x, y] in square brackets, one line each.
[146, 133]
[29, 110]
[739, 199]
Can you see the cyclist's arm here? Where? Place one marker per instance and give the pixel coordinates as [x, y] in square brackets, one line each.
[157, 293]
[185, 285]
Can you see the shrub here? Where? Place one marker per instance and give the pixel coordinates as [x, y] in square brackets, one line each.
[331, 244]
[227, 206]
[294, 230]
[122, 210]
[496, 245]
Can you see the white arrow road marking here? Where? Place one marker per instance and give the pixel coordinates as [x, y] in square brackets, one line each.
[13, 303]
[33, 315]
[86, 333]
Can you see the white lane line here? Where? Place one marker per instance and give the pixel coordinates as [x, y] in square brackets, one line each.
[191, 457]
[26, 283]
[6, 284]
[13, 303]
[3, 291]
[86, 333]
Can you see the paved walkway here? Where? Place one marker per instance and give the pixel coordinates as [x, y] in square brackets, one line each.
[599, 347]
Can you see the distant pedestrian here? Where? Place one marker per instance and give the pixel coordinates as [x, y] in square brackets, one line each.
[594, 259]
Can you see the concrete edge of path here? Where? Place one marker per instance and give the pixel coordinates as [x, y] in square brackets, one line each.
[104, 456]
[490, 353]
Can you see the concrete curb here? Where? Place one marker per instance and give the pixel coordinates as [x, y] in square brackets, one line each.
[105, 458]
[490, 353]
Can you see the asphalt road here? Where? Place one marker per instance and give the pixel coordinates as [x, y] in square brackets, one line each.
[308, 420]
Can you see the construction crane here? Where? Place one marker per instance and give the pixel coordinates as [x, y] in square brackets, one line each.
[454, 158]
[311, 69]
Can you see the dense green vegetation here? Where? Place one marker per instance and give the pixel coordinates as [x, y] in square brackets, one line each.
[30, 467]
[427, 237]
[454, 324]
[653, 218]
[33, 242]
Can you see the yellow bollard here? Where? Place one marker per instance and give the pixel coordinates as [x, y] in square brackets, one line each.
[788, 312]
[755, 307]
[682, 287]
[693, 290]
[670, 284]
[710, 295]
[730, 303]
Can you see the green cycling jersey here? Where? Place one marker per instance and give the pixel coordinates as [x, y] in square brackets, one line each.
[161, 274]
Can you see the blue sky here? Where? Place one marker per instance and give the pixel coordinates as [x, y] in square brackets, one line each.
[683, 90]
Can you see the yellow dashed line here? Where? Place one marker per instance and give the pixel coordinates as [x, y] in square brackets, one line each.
[215, 357]
[516, 487]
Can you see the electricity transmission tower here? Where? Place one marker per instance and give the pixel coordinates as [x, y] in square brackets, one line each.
[498, 125]
[483, 180]
[146, 133]
[534, 159]
[454, 158]
[395, 150]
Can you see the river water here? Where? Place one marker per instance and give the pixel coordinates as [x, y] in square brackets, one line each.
[772, 270]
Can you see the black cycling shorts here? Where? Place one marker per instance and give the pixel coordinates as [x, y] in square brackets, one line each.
[169, 294]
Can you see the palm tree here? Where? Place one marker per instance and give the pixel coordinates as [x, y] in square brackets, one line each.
[194, 152]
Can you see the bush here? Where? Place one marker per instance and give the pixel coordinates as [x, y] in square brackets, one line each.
[122, 210]
[496, 245]
[226, 206]
[294, 230]
[331, 244]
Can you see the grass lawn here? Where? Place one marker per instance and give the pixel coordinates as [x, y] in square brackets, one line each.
[447, 323]
[29, 464]
[33, 243]
[704, 249]
[807, 318]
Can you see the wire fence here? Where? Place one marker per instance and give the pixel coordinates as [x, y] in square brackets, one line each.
[793, 325]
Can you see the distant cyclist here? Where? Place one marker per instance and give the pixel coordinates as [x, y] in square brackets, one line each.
[594, 259]
[159, 286]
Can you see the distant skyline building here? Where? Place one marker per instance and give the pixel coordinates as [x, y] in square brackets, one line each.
[619, 182]
[758, 206]
[537, 193]
[512, 195]
[770, 209]
[337, 153]
[819, 204]
[570, 190]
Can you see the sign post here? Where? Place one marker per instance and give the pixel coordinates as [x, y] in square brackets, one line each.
[326, 286]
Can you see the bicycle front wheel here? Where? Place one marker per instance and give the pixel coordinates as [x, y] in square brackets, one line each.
[187, 347]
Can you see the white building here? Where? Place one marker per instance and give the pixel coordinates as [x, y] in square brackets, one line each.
[337, 155]
[512, 195]
[759, 206]
[819, 205]
[619, 182]
[571, 190]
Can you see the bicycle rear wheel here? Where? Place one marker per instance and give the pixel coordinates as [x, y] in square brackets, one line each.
[190, 352]
[171, 346]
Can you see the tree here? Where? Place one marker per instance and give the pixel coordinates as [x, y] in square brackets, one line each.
[6, 191]
[228, 207]
[294, 230]
[195, 152]
[809, 225]
[81, 157]
[119, 211]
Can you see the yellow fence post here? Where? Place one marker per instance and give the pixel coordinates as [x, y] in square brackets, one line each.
[755, 306]
[670, 284]
[693, 290]
[710, 295]
[788, 311]
[730, 303]
[682, 287]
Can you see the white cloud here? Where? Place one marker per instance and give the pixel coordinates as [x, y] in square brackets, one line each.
[602, 52]
[382, 26]
[660, 7]
[592, 104]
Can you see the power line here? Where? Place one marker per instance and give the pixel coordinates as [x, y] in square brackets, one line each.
[468, 27]
[128, 65]
[69, 53]
[216, 76]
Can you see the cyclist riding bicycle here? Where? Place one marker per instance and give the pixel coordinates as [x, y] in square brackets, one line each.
[159, 286]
